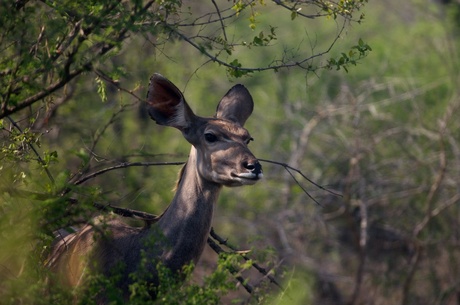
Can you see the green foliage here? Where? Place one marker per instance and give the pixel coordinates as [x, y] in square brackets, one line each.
[171, 291]
[342, 8]
[46, 45]
[263, 39]
[234, 69]
[60, 59]
[299, 290]
[101, 89]
[356, 53]
[100, 287]
[18, 146]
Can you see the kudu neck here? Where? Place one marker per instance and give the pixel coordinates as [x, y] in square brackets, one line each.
[187, 221]
[193, 192]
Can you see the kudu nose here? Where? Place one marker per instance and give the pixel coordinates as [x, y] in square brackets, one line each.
[253, 166]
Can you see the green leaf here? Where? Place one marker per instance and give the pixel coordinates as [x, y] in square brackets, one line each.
[257, 41]
[101, 89]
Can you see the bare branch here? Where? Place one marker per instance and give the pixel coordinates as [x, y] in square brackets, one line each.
[45, 92]
[116, 84]
[220, 19]
[147, 217]
[288, 168]
[124, 165]
[435, 188]
[359, 278]
[296, 10]
[414, 263]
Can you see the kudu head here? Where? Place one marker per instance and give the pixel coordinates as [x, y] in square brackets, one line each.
[220, 143]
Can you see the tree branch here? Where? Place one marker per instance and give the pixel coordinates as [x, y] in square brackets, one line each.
[240, 279]
[124, 165]
[260, 269]
[275, 67]
[39, 158]
[288, 168]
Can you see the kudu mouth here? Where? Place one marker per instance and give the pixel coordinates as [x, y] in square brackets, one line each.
[253, 174]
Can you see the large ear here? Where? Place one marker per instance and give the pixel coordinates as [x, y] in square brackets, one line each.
[236, 105]
[166, 104]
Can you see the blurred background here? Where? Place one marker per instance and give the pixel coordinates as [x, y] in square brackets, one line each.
[381, 136]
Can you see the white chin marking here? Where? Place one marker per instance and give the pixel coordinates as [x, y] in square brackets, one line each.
[248, 178]
[238, 179]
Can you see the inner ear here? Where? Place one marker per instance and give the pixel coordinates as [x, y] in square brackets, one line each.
[236, 105]
[166, 104]
[162, 99]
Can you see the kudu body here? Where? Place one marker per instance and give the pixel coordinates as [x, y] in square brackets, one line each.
[219, 157]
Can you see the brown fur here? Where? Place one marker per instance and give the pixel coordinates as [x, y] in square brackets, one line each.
[180, 234]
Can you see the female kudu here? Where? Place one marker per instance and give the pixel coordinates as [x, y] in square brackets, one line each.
[219, 156]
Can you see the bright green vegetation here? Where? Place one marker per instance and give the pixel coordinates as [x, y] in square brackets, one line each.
[375, 119]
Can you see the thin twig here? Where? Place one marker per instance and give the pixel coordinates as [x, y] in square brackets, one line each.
[413, 268]
[39, 158]
[275, 67]
[301, 186]
[240, 279]
[96, 138]
[434, 190]
[220, 19]
[359, 278]
[147, 217]
[259, 268]
[124, 165]
[293, 9]
[288, 168]
[116, 84]
[429, 215]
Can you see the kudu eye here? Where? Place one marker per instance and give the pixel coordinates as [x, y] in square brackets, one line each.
[210, 138]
